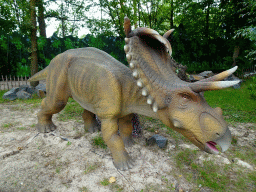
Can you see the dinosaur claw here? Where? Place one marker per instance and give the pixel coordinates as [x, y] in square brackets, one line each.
[46, 128]
[123, 162]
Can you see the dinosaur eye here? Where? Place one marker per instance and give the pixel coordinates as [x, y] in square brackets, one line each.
[185, 97]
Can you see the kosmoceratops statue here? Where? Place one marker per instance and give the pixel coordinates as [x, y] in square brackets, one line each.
[105, 87]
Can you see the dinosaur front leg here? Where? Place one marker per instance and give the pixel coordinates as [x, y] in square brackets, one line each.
[125, 128]
[109, 128]
[90, 123]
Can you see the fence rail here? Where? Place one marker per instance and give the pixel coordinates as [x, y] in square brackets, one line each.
[9, 82]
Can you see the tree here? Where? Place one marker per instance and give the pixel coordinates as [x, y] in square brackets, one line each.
[237, 14]
[71, 14]
[41, 19]
[33, 30]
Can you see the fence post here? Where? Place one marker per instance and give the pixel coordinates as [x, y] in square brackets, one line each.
[7, 82]
[3, 81]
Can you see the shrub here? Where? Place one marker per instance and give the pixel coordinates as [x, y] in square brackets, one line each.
[252, 88]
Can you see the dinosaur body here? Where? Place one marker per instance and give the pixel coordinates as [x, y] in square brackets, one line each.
[105, 87]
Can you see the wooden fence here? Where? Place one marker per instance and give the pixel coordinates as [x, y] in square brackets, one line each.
[248, 72]
[8, 82]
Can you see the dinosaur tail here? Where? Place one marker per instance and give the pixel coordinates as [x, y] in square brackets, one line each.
[41, 75]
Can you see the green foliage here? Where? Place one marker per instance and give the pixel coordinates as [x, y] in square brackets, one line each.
[96, 42]
[69, 44]
[69, 143]
[105, 182]
[252, 88]
[23, 69]
[41, 43]
[71, 111]
[99, 142]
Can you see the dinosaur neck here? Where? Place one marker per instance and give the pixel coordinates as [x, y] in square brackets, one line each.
[152, 69]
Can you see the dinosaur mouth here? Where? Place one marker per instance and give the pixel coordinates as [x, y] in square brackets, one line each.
[223, 142]
[211, 146]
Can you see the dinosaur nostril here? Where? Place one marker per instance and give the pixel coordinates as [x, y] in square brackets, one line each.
[218, 134]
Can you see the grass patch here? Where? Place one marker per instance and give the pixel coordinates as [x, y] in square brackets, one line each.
[212, 175]
[58, 169]
[237, 105]
[72, 111]
[99, 142]
[116, 187]
[69, 143]
[83, 189]
[90, 168]
[245, 153]
[34, 100]
[7, 125]
[105, 182]
[21, 128]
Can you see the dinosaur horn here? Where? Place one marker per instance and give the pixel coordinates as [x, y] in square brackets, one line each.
[168, 33]
[220, 76]
[127, 26]
[207, 86]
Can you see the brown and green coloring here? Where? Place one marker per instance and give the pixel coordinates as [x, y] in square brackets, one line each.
[105, 87]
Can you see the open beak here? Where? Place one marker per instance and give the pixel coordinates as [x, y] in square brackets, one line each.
[224, 142]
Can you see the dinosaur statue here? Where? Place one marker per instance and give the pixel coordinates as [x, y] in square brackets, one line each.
[105, 87]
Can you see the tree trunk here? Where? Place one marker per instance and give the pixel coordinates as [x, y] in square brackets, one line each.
[207, 34]
[135, 13]
[34, 64]
[235, 55]
[171, 18]
[41, 20]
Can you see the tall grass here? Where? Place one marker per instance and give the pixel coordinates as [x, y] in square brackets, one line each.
[237, 104]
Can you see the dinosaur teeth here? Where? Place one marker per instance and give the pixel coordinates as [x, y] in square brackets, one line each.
[126, 48]
[149, 100]
[144, 91]
[126, 40]
[128, 57]
[155, 107]
[135, 73]
[131, 65]
[139, 83]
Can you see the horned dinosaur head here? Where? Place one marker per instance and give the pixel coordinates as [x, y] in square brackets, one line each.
[178, 104]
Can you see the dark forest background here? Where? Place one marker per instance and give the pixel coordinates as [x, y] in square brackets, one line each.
[209, 34]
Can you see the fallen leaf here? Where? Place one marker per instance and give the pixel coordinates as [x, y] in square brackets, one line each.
[112, 180]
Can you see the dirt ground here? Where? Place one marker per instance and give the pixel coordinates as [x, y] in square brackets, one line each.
[66, 160]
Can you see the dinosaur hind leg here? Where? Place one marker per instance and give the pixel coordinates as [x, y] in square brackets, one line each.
[125, 127]
[90, 122]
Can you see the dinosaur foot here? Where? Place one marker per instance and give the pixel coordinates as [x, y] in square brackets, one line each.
[123, 161]
[46, 128]
[128, 141]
